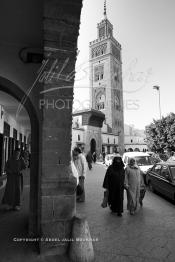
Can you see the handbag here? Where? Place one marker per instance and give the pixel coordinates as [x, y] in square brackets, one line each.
[105, 199]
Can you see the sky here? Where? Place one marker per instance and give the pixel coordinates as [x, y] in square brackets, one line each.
[145, 30]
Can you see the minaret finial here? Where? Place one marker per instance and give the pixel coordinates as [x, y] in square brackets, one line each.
[105, 15]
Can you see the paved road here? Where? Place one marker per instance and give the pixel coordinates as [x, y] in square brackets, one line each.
[147, 236]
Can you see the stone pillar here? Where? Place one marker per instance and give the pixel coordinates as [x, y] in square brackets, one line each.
[61, 26]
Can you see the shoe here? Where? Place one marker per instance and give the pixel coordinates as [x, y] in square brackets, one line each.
[119, 215]
[131, 212]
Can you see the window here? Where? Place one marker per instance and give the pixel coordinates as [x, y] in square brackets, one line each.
[99, 72]
[143, 160]
[6, 129]
[78, 137]
[101, 106]
[165, 172]
[157, 169]
[15, 133]
[172, 168]
[20, 137]
[100, 101]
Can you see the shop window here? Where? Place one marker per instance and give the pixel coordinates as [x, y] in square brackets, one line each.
[15, 133]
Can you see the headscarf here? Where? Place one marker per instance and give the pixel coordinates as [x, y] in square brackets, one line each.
[132, 166]
[116, 164]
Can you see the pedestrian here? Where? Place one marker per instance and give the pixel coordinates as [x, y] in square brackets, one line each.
[94, 156]
[89, 160]
[132, 185]
[103, 154]
[25, 157]
[81, 166]
[114, 184]
[74, 169]
[12, 194]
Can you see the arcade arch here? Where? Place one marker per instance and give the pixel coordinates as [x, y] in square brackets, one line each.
[15, 92]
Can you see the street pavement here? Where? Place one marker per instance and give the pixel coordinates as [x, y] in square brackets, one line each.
[148, 236]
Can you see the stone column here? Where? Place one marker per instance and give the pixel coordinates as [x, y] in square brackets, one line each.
[61, 26]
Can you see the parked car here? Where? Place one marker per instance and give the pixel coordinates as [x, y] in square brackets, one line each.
[109, 158]
[161, 178]
[143, 160]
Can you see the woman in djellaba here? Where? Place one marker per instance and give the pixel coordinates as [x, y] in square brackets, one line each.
[133, 181]
[13, 190]
[114, 184]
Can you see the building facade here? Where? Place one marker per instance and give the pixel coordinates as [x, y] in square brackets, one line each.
[134, 139]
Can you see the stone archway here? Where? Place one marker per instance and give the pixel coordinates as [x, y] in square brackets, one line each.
[12, 89]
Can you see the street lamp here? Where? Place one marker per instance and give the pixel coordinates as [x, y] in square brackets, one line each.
[158, 89]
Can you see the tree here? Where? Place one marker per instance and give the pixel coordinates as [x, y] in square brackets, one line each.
[160, 134]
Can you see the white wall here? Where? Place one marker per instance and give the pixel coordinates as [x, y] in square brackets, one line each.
[75, 133]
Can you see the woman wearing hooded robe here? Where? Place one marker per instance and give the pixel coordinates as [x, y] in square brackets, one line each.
[114, 184]
[132, 185]
[13, 190]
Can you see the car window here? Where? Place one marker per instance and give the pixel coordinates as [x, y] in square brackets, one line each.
[143, 160]
[156, 169]
[172, 168]
[165, 172]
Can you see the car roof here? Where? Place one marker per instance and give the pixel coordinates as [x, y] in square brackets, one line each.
[133, 154]
[168, 163]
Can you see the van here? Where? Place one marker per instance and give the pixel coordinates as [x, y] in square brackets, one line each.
[143, 160]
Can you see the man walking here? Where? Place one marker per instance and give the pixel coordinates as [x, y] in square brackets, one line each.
[81, 166]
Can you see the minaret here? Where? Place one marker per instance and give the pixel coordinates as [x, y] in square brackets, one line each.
[105, 15]
[106, 89]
